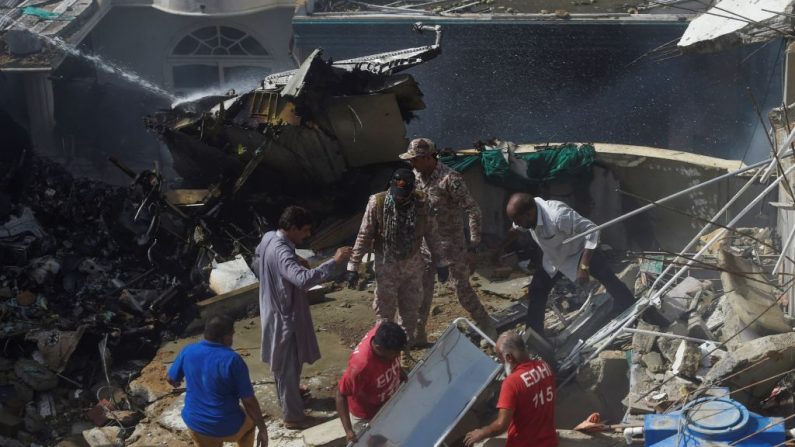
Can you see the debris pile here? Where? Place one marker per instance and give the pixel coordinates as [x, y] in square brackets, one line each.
[727, 334]
[89, 273]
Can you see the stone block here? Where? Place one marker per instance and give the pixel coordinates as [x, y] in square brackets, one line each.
[697, 328]
[773, 355]
[668, 346]
[676, 302]
[606, 377]
[653, 361]
[641, 384]
[327, 434]
[643, 343]
[687, 359]
[750, 296]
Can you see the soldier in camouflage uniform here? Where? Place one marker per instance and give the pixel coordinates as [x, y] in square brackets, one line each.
[450, 200]
[395, 223]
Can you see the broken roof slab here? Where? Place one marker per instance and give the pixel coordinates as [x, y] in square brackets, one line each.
[735, 22]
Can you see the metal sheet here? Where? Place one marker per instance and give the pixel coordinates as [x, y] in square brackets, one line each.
[732, 22]
[369, 128]
[437, 394]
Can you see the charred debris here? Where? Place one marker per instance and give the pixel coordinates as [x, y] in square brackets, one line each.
[94, 276]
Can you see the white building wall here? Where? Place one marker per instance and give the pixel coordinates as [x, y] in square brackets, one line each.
[142, 38]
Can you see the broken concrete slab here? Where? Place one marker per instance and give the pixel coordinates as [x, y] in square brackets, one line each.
[676, 301]
[687, 359]
[667, 345]
[653, 361]
[641, 385]
[327, 434]
[751, 295]
[734, 333]
[697, 328]
[643, 343]
[607, 378]
[774, 353]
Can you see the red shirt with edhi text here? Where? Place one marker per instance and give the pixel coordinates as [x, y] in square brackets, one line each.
[530, 392]
[369, 381]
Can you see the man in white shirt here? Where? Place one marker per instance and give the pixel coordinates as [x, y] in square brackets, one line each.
[550, 222]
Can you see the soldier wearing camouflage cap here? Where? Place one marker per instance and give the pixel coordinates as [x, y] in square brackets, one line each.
[450, 200]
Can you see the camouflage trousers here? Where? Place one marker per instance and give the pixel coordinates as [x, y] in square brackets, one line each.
[398, 288]
[459, 279]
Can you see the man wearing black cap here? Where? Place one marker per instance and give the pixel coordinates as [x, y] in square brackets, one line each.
[394, 225]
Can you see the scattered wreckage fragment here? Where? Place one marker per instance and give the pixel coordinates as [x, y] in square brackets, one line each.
[315, 135]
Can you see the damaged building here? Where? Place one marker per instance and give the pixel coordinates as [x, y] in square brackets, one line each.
[102, 284]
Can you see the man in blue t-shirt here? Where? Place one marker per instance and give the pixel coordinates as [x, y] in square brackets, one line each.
[216, 379]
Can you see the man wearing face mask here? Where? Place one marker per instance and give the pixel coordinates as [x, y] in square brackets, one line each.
[527, 399]
[395, 223]
[450, 200]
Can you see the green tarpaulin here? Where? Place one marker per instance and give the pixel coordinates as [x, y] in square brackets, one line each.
[561, 162]
[44, 14]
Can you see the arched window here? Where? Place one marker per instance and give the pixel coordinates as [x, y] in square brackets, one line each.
[217, 57]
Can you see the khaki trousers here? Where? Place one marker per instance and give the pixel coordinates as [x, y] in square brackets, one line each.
[244, 437]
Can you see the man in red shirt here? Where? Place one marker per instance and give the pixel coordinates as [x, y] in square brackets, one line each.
[372, 377]
[527, 399]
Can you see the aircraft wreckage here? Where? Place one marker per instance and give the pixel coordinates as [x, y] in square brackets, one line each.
[300, 129]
